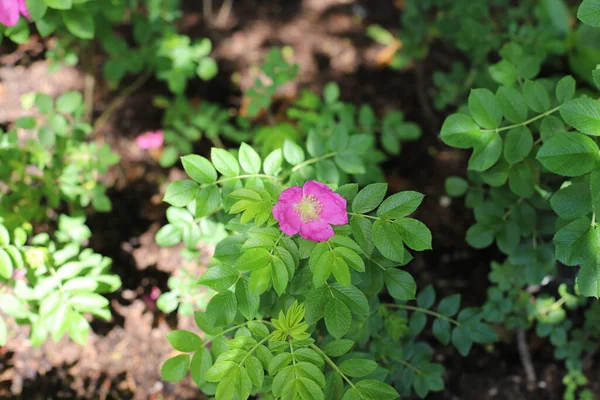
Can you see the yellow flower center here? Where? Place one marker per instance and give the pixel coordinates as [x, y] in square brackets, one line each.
[309, 208]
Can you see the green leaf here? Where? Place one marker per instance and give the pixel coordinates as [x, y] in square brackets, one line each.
[337, 318]
[459, 130]
[69, 102]
[570, 154]
[272, 163]
[456, 186]
[184, 341]
[221, 309]
[357, 367]
[175, 369]
[279, 274]
[338, 348]
[199, 168]
[400, 205]
[78, 327]
[479, 236]
[350, 162]
[311, 371]
[512, 104]
[575, 242]
[596, 76]
[88, 302]
[279, 362]
[249, 159]
[388, 241]
[372, 389]
[484, 108]
[168, 235]
[253, 259]
[369, 198]
[259, 280]
[255, 371]
[400, 284]
[589, 12]
[60, 4]
[582, 114]
[37, 9]
[4, 236]
[302, 388]
[201, 362]
[461, 341]
[572, 202]
[536, 96]
[25, 122]
[340, 270]
[595, 190]
[415, 234]
[247, 302]
[292, 153]
[565, 88]
[363, 233]
[181, 193]
[207, 69]
[521, 180]
[208, 200]
[486, 152]
[352, 297]
[220, 370]
[79, 22]
[323, 267]
[353, 259]
[449, 305]
[219, 277]
[559, 14]
[331, 92]
[588, 279]
[442, 331]
[224, 162]
[517, 144]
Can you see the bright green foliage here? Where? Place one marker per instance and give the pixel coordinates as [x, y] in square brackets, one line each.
[53, 281]
[311, 298]
[533, 184]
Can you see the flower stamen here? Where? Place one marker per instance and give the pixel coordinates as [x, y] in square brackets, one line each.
[309, 208]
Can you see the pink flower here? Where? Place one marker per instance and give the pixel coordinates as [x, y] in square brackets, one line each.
[149, 140]
[10, 10]
[310, 210]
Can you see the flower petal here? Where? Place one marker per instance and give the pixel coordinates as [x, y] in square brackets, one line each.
[288, 218]
[291, 195]
[23, 8]
[9, 12]
[334, 205]
[317, 231]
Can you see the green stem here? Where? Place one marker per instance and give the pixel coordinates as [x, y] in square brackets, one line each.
[412, 367]
[255, 347]
[313, 160]
[506, 128]
[364, 215]
[422, 310]
[233, 328]
[247, 176]
[336, 368]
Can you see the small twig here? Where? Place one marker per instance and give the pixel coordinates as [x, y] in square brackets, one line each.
[116, 102]
[224, 12]
[526, 359]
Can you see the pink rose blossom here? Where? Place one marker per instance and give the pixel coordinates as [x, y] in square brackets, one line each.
[310, 210]
[149, 140]
[10, 10]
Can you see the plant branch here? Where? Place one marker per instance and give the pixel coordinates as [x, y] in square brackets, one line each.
[336, 369]
[422, 310]
[313, 160]
[526, 358]
[117, 101]
[505, 128]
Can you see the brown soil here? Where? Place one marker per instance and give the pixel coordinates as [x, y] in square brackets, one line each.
[122, 358]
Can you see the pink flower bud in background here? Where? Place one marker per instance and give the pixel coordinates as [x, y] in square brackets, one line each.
[149, 140]
[154, 293]
[310, 210]
[18, 274]
[10, 10]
